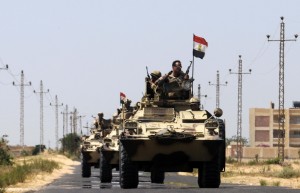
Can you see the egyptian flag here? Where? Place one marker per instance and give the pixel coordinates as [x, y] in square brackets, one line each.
[122, 98]
[200, 44]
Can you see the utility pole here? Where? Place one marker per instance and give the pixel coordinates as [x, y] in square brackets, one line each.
[80, 122]
[281, 115]
[22, 84]
[41, 113]
[74, 120]
[239, 122]
[56, 120]
[87, 128]
[218, 89]
[199, 97]
[65, 114]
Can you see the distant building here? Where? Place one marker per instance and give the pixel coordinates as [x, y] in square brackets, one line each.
[263, 128]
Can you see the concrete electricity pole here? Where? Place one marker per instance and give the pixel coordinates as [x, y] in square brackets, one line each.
[281, 115]
[65, 114]
[80, 122]
[22, 84]
[41, 113]
[199, 97]
[240, 105]
[56, 120]
[218, 89]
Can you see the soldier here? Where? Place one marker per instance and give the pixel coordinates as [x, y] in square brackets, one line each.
[174, 79]
[177, 73]
[151, 86]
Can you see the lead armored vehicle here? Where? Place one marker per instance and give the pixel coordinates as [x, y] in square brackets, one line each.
[170, 133]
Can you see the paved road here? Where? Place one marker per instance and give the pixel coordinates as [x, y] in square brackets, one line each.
[73, 183]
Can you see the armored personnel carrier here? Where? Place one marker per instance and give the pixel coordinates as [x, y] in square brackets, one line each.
[90, 148]
[109, 152]
[170, 133]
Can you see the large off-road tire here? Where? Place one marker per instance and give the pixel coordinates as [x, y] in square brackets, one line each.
[209, 174]
[85, 168]
[157, 177]
[105, 170]
[129, 176]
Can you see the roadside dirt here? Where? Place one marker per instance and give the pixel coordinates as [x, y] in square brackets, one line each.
[35, 182]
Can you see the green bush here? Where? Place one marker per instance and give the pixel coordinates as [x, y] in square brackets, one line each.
[230, 160]
[263, 182]
[5, 157]
[272, 161]
[288, 172]
[277, 183]
[38, 149]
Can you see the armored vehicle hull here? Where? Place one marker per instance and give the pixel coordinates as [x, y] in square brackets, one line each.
[90, 154]
[141, 150]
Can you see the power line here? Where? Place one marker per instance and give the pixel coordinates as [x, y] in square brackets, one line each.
[240, 105]
[22, 84]
[281, 116]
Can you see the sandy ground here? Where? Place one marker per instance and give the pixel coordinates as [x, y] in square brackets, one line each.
[36, 182]
[255, 174]
[237, 174]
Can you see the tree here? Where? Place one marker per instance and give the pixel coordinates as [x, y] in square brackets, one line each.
[234, 139]
[71, 143]
[5, 157]
[38, 148]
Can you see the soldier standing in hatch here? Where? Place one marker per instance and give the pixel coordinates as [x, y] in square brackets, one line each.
[177, 73]
[151, 87]
[174, 78]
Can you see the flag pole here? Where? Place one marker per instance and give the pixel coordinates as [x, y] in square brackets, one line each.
[123, 117]
[193, 76]
[193, 68]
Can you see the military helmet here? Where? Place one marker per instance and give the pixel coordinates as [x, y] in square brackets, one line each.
[194, 100]
[156, 74]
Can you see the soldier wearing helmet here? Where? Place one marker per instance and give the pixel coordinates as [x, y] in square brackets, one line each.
[151, 87]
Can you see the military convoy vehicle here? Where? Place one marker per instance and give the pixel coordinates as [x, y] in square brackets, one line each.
[170, 133]
[109, 152]
[91, 145]
[109, 156]
[90, 148]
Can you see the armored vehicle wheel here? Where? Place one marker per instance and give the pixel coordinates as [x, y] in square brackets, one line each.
[85, 168]
[105, 169]
[157, 177]
[129, 176]
[209, 175]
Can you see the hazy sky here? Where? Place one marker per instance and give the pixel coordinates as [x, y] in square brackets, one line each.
[87, 51]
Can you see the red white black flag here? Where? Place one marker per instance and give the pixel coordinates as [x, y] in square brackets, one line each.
[200, 44]
[122, 98]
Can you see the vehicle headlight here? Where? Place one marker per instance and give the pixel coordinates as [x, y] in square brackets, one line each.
[211, 125]
[131, 127]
